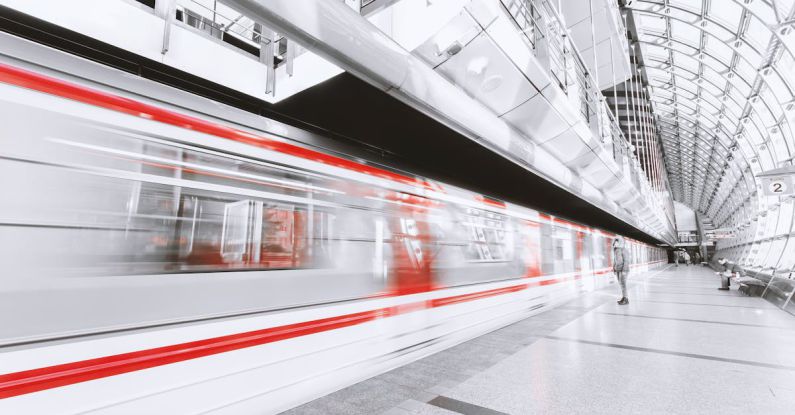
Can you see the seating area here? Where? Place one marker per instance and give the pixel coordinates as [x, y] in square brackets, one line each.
[756, 282]
[751, 286]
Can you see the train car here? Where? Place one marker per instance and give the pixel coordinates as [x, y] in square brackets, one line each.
[158, 258]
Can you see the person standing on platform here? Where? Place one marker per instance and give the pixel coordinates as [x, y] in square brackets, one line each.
[676, 258]
[621, 262]
[687, 258]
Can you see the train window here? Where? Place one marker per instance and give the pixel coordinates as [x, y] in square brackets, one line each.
[558, 248]
[409, 229]
[532, 249]
[203, 231]
[547, 249]
[288, 234]
[489, 236]
[157, 207]
[115, 226]
[585, 255]
[235, 230]
[253, 234]
[599, 251]
[564, 249]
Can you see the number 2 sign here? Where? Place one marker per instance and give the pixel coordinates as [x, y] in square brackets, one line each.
[777, 186]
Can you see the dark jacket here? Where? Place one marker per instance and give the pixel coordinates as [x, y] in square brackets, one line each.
[621, 259]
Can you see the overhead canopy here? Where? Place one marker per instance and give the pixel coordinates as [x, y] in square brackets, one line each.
[720, 76]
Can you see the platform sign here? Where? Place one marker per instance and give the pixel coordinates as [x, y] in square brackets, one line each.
[681, 244]
[778, 182]
[777, 185]
[721, 233]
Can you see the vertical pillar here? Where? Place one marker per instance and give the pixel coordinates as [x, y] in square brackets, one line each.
[613, 75]
[290, 56]
[266, 55]
[636, 122]
[593, 46]
[166, 9]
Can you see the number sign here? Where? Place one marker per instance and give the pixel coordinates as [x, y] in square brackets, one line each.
[777, 185]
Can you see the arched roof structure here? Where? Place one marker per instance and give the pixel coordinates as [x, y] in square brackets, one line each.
[721, 77]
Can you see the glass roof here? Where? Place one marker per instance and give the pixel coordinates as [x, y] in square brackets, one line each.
[721, 75]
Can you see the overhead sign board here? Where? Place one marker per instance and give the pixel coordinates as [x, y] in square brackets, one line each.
[777, 185]
[687, 244]
[778, 182]
[721, 233]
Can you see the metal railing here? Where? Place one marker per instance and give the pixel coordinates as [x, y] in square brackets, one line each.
[542, 27]
[545, 35]
[206, 16]
[220, 22]
[527, 17]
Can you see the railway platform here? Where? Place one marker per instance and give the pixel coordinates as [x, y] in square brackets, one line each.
[680, 346]
[397, 207]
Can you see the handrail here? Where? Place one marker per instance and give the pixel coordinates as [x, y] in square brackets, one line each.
[561, 48]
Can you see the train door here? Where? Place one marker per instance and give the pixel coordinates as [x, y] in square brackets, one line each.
[583, 255]
[547, 249]
[598, 255]
[564, 245]
[278, 237]
[236, 232]
[412, 250]
[532, 254]
[587, 259]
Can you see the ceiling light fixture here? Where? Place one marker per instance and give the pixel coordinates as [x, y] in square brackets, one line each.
[766, 71]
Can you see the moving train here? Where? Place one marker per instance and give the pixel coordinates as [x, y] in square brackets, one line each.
[163, 258]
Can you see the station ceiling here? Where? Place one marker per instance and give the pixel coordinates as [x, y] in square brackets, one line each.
[355, 116]
[721, 77]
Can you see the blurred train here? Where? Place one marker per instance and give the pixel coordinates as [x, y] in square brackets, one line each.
[157, 258]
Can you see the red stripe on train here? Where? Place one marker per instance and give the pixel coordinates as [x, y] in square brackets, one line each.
[489, 201]
[438, 302]
[64, 89]
[35, 380]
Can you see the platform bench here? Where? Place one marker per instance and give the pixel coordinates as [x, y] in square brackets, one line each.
[751, 286]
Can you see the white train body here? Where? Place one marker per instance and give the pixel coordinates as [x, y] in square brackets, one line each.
[160, 261]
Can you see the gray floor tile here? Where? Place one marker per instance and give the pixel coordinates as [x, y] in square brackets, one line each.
[655, 369]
